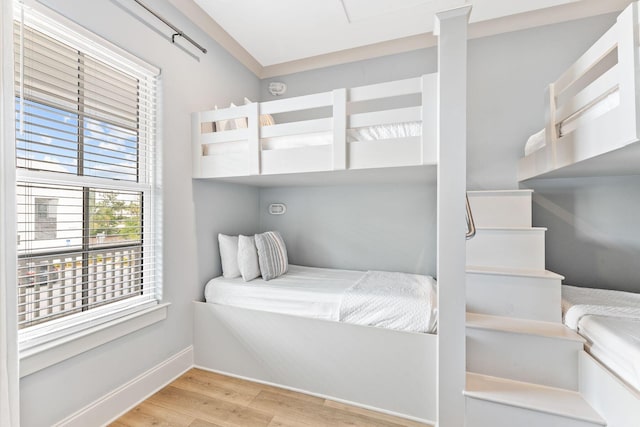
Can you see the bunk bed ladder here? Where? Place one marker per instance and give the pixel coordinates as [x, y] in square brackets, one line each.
[522, 362]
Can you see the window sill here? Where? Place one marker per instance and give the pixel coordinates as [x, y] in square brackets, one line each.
[45, 355]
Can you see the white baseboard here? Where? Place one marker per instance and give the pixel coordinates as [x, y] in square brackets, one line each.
[119, 401]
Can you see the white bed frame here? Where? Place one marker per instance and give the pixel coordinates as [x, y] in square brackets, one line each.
[418, 376]
[608, 144]
[371, 367]
[340, 154]
[615, 400]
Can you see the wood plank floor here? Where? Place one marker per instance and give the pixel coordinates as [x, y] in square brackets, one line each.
[206, 399]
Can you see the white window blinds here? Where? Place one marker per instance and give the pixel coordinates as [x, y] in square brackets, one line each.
[87, 197]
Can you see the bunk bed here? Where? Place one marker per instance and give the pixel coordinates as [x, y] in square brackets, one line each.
[345, 134]
[592, 119]
[297, 341]
[398, 130]
[592, 127]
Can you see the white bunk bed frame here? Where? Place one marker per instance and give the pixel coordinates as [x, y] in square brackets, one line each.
[418, 376]
[607, 144]
[340, 154]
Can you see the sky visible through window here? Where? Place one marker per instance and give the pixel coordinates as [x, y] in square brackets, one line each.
[49, 141]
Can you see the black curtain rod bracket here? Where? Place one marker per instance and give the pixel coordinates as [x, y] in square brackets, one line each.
[177, 31]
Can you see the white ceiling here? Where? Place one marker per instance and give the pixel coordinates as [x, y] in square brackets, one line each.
[278, 32]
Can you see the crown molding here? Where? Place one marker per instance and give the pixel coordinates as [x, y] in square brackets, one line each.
[523, 21]
[201, 19]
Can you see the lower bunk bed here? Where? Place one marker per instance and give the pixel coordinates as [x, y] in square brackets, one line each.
[610, 368]
[366, 338]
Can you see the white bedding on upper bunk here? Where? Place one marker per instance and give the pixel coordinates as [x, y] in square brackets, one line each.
[610, 321]
[395, 301]
[367, 133]
[576, 120]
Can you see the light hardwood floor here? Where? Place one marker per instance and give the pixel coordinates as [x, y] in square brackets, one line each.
[206, 399]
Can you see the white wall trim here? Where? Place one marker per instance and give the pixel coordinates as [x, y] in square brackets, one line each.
[49, 354]
[116, 403]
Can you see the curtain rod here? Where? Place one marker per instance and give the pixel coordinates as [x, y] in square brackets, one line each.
[178, 32]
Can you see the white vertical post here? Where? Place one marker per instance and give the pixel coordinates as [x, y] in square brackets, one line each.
[550, 129]
[428, 148]
[9, 389]
[339, 129]
[628, 61]
[196, 145]
[452, 176]
[253, 125]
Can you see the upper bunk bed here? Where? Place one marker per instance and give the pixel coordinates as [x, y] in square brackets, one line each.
[342, 130]
[592, 122]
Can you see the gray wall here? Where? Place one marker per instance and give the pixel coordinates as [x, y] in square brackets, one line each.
[362, 227]
[594, 236]
[187, 85]
[508, 75]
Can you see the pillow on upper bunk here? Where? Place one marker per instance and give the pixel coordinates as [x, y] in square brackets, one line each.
[248, 258]
[265, 119]
[240, 122]
[272, 255]
[222, 125]
[229, 255]
[535, 142]
[207, 127]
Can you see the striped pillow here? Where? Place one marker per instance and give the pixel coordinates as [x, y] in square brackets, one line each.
[272, 255]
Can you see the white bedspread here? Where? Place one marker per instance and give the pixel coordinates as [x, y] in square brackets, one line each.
[405, 302]
[578, 302]
[367, 133]
[399, 301]
[610, 322]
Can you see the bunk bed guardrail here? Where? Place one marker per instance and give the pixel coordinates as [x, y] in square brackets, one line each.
[592, 108]
[248, 153]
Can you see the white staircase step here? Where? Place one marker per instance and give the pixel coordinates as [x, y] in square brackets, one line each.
[501, 208]
[498, 402]
[544, 353]
[507, 247]
[512, 292]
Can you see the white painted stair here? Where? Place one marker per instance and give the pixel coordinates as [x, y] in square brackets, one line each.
[523, 350]
[522, 362]
[515, 292]
[500, 402]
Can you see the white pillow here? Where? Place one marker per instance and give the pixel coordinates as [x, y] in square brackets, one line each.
[248, 258]
[229, 255]
[272, 255]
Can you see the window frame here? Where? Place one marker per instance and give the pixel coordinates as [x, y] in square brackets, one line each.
[50, 342]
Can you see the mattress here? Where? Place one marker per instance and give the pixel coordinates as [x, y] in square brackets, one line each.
[397, 301]
[615, 342]
[303, 291]
[591, 112]
[610, 322]
[368, 133]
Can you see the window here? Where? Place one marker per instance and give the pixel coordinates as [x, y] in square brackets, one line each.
[86, 193]
[46, 222]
